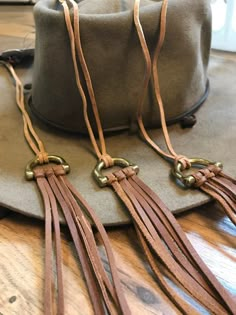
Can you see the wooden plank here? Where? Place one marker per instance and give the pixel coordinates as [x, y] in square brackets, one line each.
[22, 260]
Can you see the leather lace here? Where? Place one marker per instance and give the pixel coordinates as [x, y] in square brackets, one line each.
[161, 237]
[75, 43]
[31, 136]
[203, 178]
[106, 294]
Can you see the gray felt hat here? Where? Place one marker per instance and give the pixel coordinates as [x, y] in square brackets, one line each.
[115, 61]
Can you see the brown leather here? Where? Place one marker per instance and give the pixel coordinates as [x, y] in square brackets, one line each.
[75, 45]
[152, 68]
[55, 187]
[181, 305]
[31, 136]
[220, 186]
[151, 219]
[51, 212]
[115, 292]
[106, 295]
[217, 187]
[158, 231]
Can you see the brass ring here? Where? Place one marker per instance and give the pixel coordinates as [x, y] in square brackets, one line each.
[29, 174]
[102, 179]
[189, 180]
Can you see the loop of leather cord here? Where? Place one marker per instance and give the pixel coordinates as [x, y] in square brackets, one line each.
[203, 182]
[106, 294]
[185, 163]
[193, 281]
[75, 45]
[172, 155]
[107, 159]
[30, 134]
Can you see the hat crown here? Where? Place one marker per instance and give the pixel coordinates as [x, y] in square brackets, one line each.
[115, 62]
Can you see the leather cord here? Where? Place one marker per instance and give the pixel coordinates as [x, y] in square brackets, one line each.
[187, 267]
[72, 25]
[220, 186]
[137, 199]
[150, 229]
[31, 136]
[172, 155]
[106, 294]
[75, 44]
[50, 207]
[101, 290]
[210, 187]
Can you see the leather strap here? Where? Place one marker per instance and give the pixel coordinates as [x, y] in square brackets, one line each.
[106, 294]
[181, 305]
[220, 186]
[115, 290]
[192, 255]
[50, 207]
[216, 188]
[147, 75]
[102, 290]
[150, 217]
[75, 45]
[154, 238]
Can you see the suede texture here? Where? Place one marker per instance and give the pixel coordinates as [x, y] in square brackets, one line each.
[213, 137]
[115, 61]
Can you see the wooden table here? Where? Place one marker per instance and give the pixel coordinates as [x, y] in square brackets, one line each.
[22, 239]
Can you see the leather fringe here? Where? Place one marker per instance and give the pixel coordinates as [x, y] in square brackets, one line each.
[161, 237]
[220, 186]
[106, 295]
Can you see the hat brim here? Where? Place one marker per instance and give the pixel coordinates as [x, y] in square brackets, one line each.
[213, 138]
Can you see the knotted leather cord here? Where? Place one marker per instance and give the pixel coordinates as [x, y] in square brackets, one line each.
[203, 179]
[173, 155]
[220, 186]
[76, 44]
[54, 187]
[203, 176]
[148, 226]
[50, 207]
[190, 276]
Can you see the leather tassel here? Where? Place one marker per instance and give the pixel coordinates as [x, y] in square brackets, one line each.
[51, 214]
[106, 295]
[161, 237]
[210, 179]
[220, 186]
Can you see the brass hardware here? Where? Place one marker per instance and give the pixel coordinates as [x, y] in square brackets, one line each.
[102, 179]
[29, 174]
[189, 180]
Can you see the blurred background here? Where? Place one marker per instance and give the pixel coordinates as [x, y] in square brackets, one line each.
[224, 24]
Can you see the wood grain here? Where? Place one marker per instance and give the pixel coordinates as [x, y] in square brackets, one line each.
[22, 239]
[22, 259]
